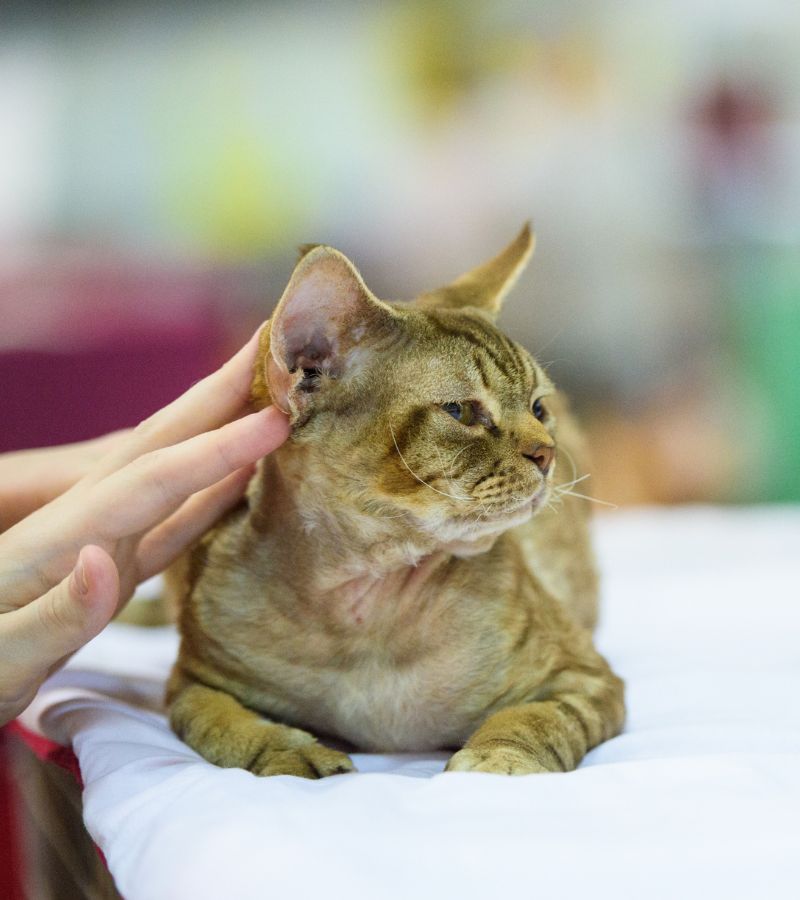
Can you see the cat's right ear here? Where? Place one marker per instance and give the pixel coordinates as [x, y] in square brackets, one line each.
[325, 313]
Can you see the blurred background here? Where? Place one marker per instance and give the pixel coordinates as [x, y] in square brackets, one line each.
[159, 164]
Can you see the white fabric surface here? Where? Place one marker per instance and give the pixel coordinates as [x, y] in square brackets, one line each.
[699, 798]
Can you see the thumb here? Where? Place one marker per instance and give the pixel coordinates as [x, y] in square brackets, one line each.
[67, 616]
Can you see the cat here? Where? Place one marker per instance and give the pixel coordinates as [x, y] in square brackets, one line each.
[408, 572]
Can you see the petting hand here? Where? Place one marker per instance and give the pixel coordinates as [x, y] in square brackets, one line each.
[31, 478]
[68, 567]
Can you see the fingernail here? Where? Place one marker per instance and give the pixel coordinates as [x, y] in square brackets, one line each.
[81, 581]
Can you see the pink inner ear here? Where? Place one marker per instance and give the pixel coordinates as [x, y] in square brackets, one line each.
[318, 301]
[306, 344]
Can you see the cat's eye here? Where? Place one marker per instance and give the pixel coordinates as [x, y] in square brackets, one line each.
[538, 410]
[464, 412]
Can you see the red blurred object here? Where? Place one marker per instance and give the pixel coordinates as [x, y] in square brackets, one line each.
[10, 837]
[45, 749]
[86, 349]
[12, 860]
[54, 398]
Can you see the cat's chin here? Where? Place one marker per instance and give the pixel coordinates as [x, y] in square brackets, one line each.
[514, 515]
[480, 538]
[469, 538]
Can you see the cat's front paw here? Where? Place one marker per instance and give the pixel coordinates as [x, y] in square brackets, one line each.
[307, 761]
[498, 757]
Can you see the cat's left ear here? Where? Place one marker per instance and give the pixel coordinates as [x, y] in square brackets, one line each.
[325, 313]
[486, 286]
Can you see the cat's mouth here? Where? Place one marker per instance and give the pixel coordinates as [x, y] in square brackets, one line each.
[516, 512]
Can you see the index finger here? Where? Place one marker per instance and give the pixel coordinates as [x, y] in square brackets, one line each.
[215, 400]
[153, 486]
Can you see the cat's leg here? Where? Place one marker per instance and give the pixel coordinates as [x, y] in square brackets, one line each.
[228, 734]
[576, 710]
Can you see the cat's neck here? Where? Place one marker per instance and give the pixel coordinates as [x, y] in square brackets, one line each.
[327, 540]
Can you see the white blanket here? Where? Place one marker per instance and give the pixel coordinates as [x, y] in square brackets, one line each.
[699, 798]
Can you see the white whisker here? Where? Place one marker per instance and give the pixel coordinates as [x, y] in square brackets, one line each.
[571, 460]
[547, 343]
[591, 499]
[569, 484]
[420, 480]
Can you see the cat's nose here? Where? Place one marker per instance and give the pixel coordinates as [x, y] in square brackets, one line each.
[542, 455]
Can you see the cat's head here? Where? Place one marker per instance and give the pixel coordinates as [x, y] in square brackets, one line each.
[421, 412]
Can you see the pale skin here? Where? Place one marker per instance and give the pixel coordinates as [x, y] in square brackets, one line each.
[88, 522]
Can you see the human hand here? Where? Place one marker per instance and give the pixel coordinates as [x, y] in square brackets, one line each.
[66, 568]
[31, 478]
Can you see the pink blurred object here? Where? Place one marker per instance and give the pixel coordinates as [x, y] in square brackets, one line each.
[88, 348]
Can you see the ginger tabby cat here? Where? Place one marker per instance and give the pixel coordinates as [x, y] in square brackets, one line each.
[397, 575]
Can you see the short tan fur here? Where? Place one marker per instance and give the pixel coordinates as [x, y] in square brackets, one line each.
[406, 572]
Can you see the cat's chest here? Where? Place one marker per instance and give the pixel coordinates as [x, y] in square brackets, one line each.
[403, 602]
[401, 663]
[383, 708]
[398, 696]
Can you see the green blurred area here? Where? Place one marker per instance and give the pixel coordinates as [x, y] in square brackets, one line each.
[765, 319]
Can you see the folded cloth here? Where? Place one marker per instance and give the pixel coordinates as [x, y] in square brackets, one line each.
[698, 798]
